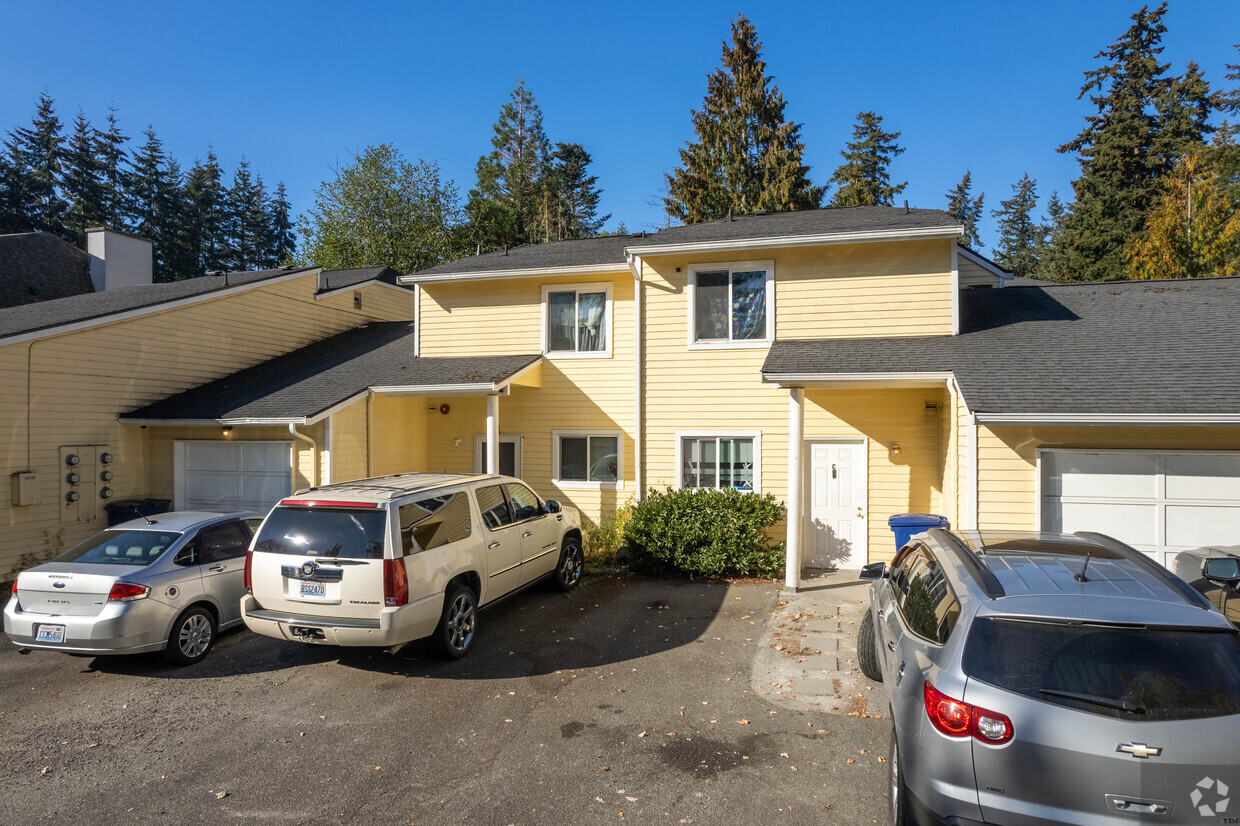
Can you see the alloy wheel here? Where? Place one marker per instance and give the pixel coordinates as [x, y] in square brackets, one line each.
[570, 569]
[195, 637]
[461, 622]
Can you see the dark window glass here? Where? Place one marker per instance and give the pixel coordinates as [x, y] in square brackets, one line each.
[348, 534]
[710, 309]
[524, 502]
[220, 542]
[253, 524]
[561, 321]
[121, 548]
[434, 522]
[494, 507]
[574, 458]
[927, 602]
[1139, 674]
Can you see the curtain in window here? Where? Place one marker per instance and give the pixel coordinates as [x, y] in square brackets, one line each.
[561, 321]
[590, 333]
[748, 305]
[711, 306]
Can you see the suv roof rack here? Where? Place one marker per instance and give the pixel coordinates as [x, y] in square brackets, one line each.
[1191, 596]
[991, 586]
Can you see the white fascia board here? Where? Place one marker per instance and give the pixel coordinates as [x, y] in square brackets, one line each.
[952, 231]
[336, 408]
[528, 272]
[476, 389]
[276, 420]
[170, 422]
[124, 315]
[983, 263]
[1181, 419]
[359, 285]
[929, 379]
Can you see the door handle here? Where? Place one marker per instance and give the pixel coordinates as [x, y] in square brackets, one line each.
[493, 545]
[527, 533]
[217, 568]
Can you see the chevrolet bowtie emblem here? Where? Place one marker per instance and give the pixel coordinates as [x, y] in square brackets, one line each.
[1139, 749]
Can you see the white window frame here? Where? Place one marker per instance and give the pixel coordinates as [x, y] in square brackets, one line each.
[480, 457]
[557, 435]
[732, 267]
[708, 433]
[607, 318]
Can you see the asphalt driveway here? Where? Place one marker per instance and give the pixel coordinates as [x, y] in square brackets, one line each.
[627, 700]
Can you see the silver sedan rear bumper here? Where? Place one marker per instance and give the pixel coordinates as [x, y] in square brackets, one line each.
[120, 628]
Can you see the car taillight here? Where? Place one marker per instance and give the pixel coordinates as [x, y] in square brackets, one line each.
[14, 587]
[127, 592]
[956, 718]
[395, 582]
[249, 582]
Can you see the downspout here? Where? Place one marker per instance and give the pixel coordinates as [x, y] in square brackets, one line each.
[314, 456]
[972, 506]
[635, 264]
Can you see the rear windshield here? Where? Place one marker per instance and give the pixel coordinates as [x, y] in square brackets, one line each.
[121, 548]
[1138, 674]
[349, 534]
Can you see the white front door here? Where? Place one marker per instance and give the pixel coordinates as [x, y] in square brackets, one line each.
[835, 528]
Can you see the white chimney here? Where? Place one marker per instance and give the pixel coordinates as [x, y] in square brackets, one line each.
[117, 259]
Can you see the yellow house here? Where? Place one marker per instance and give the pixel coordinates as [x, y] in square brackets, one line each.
[856, 363]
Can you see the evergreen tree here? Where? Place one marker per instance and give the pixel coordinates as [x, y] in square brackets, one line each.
[36, 153]
[1049, 256]
[259, 220]
[1120, 150]
[504, 208]
[178, 240]
[113, 158]
[206, 202]
[1020, 238]
[746, 156]
[243, 238]
[283, 242]
[967, 210]
[152, 199]
[1183, 118]
[863, 177]
[572, 195]
[14, 184]
[83, 181]
[1229, 100]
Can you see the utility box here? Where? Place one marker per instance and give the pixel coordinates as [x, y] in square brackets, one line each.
[25, 489]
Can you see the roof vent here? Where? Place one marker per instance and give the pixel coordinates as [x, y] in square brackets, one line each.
[906, 206]
[505, 249]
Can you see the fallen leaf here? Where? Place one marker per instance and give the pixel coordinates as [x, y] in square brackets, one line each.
[742, 722]
[221, 795]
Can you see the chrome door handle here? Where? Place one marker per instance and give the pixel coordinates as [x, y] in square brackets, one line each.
[527, 533]
[217, 568]
[493, 545]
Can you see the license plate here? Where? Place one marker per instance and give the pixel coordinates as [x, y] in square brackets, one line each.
[50, 633]
[314, 589]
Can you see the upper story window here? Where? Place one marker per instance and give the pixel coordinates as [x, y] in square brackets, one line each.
[732, 305]
[577, 320]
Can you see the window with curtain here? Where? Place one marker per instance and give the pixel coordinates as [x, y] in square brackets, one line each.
[730, 305]
[576, 321]
[718, 462]
[586, 457]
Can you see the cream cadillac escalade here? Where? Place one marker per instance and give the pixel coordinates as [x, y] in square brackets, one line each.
[381, 562]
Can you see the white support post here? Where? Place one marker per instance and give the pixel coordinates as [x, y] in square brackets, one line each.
[493, 433]
[796, 442]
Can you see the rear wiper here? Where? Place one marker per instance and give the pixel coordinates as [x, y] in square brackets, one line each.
[1093, 699]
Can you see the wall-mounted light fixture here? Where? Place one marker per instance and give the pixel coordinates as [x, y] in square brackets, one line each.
[456, 442]
[226, 430]
[895, 448]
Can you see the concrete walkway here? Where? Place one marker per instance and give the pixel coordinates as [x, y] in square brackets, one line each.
[808, 657]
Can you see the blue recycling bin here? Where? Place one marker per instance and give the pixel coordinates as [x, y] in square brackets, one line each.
[904, 525]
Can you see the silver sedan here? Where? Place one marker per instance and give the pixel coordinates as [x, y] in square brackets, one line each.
[167, 582]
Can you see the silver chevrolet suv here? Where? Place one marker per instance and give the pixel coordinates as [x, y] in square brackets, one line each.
[1050, 679]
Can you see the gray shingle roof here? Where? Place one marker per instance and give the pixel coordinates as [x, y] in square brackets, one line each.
[38, 266]
[339, 279]
[610, 249]
[317, 377]
[1118, 347]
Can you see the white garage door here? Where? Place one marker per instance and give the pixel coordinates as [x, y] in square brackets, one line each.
[249, 475]
[1157, 501]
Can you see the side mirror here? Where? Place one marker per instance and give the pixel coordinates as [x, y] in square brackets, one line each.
[875, 570]
[552, 506]
[1221, 569]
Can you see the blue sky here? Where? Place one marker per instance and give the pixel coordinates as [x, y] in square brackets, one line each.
[986, 86]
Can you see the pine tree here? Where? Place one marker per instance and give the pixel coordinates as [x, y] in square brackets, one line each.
[1020, 237]
[967, 210]
[1050, 258]
[283, 242]
[152, 202]
[863, 177]
[1184, 110]
[36, 152]
[1120, 150]
[14, 198]
[259, 221]
[206, 202]
[243, 241]
[504, 208]
[1229, 101]
[178, 239]
[573, 194]
[113, 158]
[83, 181]
[746, 157]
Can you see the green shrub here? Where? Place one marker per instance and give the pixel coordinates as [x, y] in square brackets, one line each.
[603, 540]
[710, 533]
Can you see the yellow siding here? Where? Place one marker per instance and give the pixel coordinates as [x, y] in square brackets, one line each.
[350, 433]
[963, 460]
[79, 382]
[1007, 461]
[380, 302]
[974, 275]
[399, 429]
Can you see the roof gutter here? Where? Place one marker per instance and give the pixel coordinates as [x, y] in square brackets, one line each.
[525, 272]
[950, 231]
[894, 379]
[1090, 419]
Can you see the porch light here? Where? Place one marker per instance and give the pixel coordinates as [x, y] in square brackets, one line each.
[226, 430]
[895, 448]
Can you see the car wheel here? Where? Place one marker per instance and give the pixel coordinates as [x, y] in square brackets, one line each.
[192, 636]
[867, 653]
[897, 805]
[572, 563]
[455, 633]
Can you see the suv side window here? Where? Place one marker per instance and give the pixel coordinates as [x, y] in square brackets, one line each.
[524, 501]
[494, 507]
[434, 521]
[929, 607]
[222, 542]
[900, 570]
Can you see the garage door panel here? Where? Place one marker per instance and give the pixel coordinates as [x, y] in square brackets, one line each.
[203, 456]
[1085, 474]
[1135, 524]
[264, 489]
[1202, 476]
[264, 458]
[249, 475]
[1197, 525]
